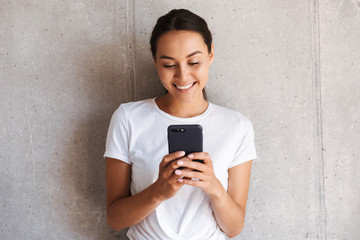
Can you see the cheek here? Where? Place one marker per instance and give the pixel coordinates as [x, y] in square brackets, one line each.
[164, 75]
[202, 71]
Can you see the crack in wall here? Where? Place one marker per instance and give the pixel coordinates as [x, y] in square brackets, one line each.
[33, 158]
[318, 132]
[130, 42]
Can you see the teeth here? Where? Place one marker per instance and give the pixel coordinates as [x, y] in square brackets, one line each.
[184, 87]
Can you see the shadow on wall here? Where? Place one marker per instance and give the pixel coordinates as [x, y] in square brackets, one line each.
[102, 88]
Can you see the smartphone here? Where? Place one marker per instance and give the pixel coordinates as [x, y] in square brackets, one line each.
[188, 138]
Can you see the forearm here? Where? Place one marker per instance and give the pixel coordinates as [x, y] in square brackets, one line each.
[228, 214]
[128, 211]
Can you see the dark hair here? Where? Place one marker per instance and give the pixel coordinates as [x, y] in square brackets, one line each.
[180, 19]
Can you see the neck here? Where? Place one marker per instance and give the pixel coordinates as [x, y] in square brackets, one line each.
[181, 109]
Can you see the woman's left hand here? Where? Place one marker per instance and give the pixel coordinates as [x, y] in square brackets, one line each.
[205, 173]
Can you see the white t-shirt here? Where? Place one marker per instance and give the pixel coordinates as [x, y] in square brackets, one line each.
[137, 135]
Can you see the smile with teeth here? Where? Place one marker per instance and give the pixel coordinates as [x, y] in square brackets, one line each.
[184, 87]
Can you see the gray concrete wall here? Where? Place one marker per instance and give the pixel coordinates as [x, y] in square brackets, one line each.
[292, 67]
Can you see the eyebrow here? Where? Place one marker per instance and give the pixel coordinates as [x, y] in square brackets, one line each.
[191, 54]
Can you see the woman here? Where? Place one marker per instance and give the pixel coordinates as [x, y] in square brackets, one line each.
[146, 190]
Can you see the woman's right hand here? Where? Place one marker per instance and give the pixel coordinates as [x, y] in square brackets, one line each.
[167, 184]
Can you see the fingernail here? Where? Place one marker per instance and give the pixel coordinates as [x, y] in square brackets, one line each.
[181, 153]
[177, 172]
[180, 180]
[190, 156]
[180, 163]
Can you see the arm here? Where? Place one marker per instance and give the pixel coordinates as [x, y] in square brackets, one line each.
[124, 210]
[228, 206]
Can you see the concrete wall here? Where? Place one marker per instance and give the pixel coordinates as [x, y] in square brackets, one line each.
[292, 67]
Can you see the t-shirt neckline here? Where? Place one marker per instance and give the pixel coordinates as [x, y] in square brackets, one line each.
[190, 119]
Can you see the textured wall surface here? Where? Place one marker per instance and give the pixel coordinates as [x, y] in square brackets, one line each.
[292, 67]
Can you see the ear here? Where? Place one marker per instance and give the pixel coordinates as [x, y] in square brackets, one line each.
[212, 54]
[155, 63]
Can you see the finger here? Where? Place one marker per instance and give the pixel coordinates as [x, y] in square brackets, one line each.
[178, 163]
[201, 156]
[194, 165]
[172, 166]
[189, 174]
[172, 178]
[190, 182]
[170, 157]
[177, 179]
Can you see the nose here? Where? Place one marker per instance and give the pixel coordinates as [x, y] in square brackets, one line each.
[182, 73]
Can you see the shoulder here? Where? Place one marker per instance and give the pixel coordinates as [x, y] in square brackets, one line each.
[134, 108]
[230, 116]
[131, 106]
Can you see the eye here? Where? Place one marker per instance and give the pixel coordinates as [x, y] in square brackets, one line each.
[169, 66]
[194, 63]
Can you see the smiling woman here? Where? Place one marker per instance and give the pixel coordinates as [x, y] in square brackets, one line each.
[162, 195]
[182, 62]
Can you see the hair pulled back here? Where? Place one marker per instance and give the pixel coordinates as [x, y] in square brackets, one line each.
[180, 19]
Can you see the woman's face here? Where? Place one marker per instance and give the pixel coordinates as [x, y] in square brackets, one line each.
[182, 62]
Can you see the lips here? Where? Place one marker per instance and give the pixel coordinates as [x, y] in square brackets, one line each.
[184, 87]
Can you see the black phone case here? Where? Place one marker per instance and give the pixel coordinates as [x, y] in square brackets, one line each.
[188, 138]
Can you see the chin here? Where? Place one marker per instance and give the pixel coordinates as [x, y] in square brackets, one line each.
[186, 99]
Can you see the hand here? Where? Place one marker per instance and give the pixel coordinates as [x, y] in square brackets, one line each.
[205, 173]
[167, 183]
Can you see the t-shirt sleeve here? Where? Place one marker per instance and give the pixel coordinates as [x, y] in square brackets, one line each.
[117, 139]
[246, 150]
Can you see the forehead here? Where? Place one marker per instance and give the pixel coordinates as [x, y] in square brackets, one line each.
[179, 44]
